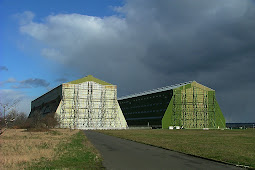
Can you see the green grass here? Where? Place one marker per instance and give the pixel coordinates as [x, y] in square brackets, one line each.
[78, 153]
[231, 146]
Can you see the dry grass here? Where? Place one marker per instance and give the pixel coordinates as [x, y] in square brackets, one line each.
[20, 148]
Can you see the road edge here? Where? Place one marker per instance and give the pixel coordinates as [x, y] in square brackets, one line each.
[227, 163]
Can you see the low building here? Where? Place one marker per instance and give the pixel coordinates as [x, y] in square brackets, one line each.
[187, 105]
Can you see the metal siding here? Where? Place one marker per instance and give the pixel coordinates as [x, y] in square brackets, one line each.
[47, 97]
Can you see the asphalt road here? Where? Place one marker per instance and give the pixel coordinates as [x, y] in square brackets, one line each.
[127, 155]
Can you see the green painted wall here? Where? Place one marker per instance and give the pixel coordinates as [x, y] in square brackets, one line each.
[173, 114]
[177, 107]
[215, 120]
[220, 120]
[211, 109]
[167, 120]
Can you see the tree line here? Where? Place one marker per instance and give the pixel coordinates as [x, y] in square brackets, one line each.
[12, 118]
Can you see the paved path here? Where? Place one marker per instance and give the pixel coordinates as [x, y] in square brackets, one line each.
[124, 154]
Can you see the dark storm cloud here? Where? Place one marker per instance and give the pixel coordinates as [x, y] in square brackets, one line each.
[207, 42]
[194, 37]
[159, 43]
[32, 82]
[3, 68]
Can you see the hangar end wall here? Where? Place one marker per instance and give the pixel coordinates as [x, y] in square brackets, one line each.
[193, 106]
[90, 105]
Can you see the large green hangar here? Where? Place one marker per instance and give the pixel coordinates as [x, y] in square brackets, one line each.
[86, 103]
[187, 105]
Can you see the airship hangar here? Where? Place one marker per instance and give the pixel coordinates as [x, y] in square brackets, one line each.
[90, 103]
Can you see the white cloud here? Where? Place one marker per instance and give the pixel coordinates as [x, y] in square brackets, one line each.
[25, 17]
[50, 53]
[86, 42]
[80, 37]
[11, 80]
[38, 31]
[8, 96]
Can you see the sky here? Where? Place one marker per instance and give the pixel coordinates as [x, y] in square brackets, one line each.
[137, 45]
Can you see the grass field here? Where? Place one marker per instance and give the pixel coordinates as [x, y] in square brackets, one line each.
[232, 146]
[58, 149]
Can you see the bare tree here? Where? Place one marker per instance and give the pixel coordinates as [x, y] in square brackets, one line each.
[6, 106]
[20, 120]
[36, 120]
[15, 119]
[50, 120]
[12, 115]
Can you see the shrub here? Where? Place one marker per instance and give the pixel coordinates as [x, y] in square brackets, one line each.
[38, 121]
[13, 119]
[50, 120]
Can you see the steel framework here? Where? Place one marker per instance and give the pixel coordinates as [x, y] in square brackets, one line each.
[191, 108]
[90, 105]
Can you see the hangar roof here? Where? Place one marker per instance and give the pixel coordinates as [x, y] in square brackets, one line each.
[89, 78]
[160, 90]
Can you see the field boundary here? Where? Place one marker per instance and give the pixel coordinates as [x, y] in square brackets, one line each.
[54, 149]
[72, 154]
[227, 163]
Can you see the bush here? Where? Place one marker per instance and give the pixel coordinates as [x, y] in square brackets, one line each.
[38, 121]
[50, 120]
[2, 122]
[14, 119]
